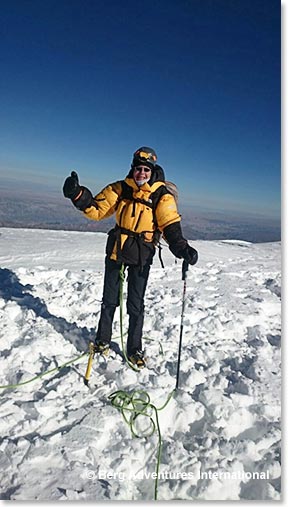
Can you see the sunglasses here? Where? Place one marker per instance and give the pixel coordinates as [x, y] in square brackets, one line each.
[139, 169]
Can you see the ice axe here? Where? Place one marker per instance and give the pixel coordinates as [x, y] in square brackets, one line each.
[185, 266]
[89, 365]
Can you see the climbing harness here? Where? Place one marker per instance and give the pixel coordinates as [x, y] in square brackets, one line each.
[167, 187]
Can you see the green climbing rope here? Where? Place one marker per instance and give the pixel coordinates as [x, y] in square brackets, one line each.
[74, 360]
[78, 358]
[122, 278]
[122, 333]
[135, 404]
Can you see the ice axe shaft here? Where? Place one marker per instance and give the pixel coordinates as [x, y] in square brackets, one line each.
[185, 267]
[89, 365]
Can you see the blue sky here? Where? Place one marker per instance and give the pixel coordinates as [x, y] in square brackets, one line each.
[84, 83]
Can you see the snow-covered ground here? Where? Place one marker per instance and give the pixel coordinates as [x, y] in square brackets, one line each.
[61, 440]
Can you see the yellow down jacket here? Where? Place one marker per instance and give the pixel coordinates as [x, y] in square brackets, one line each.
[134, 218]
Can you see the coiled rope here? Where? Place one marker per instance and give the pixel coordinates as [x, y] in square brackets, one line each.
[136, 404]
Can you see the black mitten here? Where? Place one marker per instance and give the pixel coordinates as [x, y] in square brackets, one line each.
[179, 245]
[190, 255]
[81, 197]
[71, 187]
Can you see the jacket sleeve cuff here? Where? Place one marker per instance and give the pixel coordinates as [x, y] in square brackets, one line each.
[84, 199]
[173, 233]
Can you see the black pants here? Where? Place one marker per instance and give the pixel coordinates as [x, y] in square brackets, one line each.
[137, 282]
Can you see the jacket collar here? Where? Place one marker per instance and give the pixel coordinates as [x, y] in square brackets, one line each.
[145, 188]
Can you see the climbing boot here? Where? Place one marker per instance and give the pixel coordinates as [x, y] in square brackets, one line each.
[102, 348]
[138, 359]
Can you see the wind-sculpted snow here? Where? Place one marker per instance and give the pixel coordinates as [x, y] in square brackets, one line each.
[61, 440]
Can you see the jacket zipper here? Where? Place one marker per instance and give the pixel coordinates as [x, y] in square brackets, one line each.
[137, 223]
